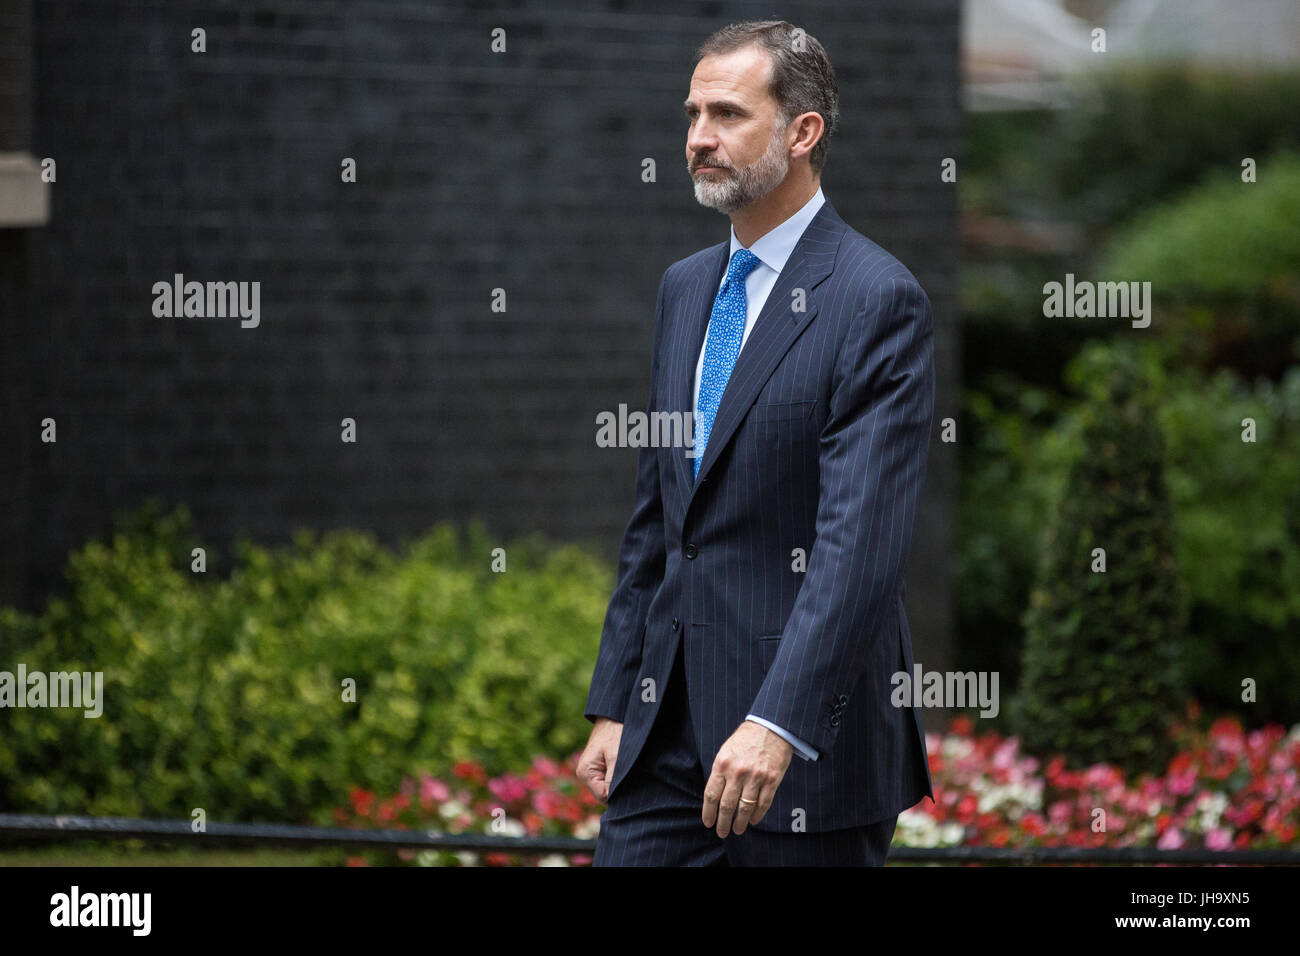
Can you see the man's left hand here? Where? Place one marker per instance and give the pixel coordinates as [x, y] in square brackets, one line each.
[746, 772]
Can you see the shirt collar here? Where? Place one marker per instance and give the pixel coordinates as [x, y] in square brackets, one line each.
[773, 248]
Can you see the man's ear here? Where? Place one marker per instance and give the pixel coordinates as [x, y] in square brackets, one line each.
[809, 128]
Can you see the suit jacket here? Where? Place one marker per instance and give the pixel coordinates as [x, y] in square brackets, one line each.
[819, 444]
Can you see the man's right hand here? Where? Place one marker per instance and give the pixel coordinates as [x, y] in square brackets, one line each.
[596, 766]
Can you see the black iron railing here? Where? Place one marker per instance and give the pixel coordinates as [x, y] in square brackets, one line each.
[25, 826]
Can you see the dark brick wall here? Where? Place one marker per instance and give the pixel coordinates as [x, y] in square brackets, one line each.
[476, 170]
[15, 75]
[15, 289]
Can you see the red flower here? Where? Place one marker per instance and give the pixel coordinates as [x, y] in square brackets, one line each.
[966, 808]
[361, 801]
[468, 770]
[1033, 824]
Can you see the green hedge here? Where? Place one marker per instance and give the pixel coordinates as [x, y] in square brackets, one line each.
[226, 693]
[1132, 136]
[1236, 510]
[1223, 261]
[1146, 166]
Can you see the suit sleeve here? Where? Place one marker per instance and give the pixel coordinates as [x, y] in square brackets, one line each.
[872, 458]
[641, 561]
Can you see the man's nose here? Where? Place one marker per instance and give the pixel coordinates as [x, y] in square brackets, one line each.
[700, 139]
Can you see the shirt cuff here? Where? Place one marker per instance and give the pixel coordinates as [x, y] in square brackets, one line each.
[801, 748]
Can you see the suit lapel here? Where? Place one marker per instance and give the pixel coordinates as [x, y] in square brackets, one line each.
[774, 331]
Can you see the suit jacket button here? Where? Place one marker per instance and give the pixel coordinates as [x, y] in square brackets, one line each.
[691, 551]
[843, 700]
[675, 624]
[835, 720]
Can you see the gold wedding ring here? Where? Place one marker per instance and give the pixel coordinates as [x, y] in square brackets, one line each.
[743, 800]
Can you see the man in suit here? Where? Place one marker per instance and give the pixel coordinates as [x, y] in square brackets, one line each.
[758, 613]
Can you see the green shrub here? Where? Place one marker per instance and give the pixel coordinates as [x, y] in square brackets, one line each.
[1237, 507]
[1236, 517]
[1223, 261]
[1135, 138]
[1142, 134]
[227, 694]
[1223, 238]
[1099, 677]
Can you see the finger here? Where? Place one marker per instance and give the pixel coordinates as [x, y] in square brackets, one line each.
[765, 797]
[713, 791]
[728, 805]
[592, 776]
[610, 760]
[748, 803]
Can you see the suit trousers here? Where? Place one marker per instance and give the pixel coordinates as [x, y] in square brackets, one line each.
[653, 818]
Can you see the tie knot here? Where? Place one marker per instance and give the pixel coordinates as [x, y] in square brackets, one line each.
[742, 264]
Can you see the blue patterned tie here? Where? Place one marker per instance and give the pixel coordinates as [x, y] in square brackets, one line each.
[726, 330]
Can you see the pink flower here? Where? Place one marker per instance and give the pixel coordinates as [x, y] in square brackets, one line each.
[1182, 784]
[1218, 839]
[509, 788]
[431, 788]
[547, 768]
[1171, 839]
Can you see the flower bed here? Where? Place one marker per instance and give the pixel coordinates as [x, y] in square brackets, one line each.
[1226, 789]
[547, 800]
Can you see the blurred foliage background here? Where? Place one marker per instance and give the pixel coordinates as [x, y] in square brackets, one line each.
[1141, 180]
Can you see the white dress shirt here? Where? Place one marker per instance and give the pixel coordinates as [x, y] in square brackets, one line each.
[773, 249]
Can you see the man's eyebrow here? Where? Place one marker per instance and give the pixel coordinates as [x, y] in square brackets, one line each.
[717, 106]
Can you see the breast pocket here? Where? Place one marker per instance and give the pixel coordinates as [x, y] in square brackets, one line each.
[775, 412]
[785, 435]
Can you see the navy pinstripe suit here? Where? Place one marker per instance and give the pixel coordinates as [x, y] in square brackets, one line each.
[820, 444]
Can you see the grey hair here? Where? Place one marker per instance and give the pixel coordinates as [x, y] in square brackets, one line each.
[803, 80]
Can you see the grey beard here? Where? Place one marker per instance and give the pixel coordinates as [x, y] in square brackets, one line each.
[747, 185]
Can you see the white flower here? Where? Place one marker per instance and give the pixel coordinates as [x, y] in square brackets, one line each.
[554, 859]
[1211, 807]
[917, 829]
[957, 747]
[507, 827]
